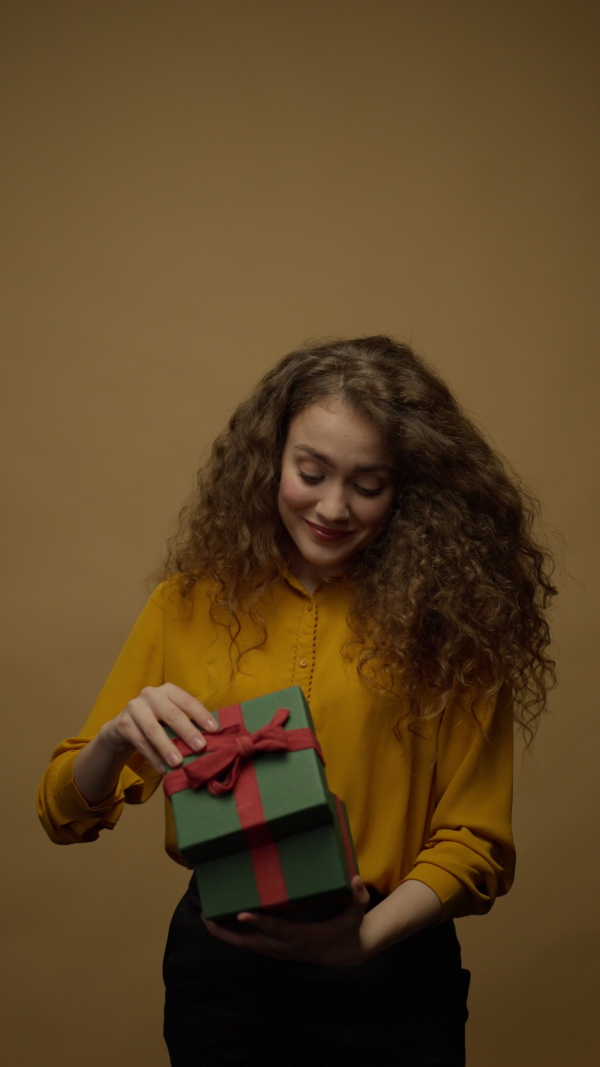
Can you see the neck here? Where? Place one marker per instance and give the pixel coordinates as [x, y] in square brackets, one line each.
[310, 576]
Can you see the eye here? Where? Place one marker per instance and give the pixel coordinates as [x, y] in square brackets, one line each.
[368, 492]
[312, 479]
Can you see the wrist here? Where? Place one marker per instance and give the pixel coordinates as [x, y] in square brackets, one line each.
[373, 934]
[97, 768]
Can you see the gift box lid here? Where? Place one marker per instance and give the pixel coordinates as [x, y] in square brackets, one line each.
[290, 786]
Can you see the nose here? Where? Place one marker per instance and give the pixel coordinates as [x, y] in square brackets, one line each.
[333, 506]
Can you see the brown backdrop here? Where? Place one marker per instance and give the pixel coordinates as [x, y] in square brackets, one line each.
[192, 188]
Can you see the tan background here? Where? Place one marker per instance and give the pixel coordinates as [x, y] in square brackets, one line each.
[192, 188]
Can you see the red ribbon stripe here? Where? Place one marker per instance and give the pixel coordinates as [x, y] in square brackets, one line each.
[232, 749]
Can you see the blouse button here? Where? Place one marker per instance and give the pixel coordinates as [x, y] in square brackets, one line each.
[309, 607]
[304, 663]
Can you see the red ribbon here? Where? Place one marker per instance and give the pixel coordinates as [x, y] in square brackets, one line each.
[232, 748]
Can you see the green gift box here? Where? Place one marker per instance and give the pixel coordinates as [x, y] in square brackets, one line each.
[307, 879]
[292, 784]
[254, 815]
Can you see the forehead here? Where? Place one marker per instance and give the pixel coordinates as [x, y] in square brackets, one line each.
[337, 431]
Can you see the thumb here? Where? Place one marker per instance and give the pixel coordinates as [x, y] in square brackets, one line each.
[360, 892]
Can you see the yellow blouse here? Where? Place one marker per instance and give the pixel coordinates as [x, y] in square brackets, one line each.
[433, 805]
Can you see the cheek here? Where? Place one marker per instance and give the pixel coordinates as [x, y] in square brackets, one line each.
[375, 518]
[293, 494]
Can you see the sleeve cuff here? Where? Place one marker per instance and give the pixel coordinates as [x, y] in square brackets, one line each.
[130, 787]
[75, 806]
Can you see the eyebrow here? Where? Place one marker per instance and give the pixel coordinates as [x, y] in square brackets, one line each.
[357, 470]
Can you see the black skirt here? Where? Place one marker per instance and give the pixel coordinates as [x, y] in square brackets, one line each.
[227, 1006]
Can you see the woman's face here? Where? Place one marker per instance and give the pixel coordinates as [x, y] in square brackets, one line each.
[337, 487]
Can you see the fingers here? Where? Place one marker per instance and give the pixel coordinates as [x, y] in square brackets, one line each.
[192, 708]
[154, 707]
[140, 724]
[281, 930]
[333, 943]
[147, 750]
[255, 941]
[288, 931]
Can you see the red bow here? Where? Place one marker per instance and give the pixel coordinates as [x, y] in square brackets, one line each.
[229, 749]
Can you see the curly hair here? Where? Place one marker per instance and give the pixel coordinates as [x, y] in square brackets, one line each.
[452, 596]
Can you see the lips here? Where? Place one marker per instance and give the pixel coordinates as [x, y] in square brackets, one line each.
[323, 533]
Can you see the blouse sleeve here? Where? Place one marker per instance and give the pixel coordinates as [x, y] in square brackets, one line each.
[65, 814]
[469, 858]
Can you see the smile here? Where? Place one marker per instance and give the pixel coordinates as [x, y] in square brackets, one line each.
[322, 533]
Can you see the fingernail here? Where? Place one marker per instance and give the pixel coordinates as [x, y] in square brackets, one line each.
[211, 724]
[198, 743]
[174, 758]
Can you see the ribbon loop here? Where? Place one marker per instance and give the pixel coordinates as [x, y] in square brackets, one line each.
[230, 748]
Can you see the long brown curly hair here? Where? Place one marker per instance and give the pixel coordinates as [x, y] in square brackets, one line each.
[451, 597]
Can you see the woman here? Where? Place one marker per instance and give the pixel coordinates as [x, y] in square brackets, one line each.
[352, 533]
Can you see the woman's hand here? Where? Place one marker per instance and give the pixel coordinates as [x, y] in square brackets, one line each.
[139, 727]
[352, 937]
[338, 942]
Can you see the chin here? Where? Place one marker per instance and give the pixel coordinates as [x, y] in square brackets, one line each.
[325, 556]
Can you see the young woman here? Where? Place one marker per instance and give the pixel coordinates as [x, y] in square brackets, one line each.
[352, 533]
